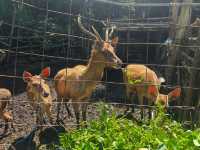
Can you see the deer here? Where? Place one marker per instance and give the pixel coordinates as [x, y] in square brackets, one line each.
[144, 82]
[39, 93]
[77, 83]
[5, 96]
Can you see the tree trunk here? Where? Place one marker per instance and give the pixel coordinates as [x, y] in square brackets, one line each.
[183, 21]
[192, 97]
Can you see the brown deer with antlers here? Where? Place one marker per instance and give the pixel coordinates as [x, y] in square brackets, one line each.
[5, 96]
[143, 82]
[77, 83]
[39, 93]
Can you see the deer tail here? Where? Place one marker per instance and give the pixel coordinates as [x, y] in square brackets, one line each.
[161, 80]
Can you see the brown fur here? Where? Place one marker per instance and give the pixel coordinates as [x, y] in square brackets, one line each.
[5, 96]
[77, 83]
[147, 86]
[39, 93]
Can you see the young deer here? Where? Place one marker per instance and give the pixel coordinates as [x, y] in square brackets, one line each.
[5, 96]
[77, 83]
[39, 93]
[144, 82]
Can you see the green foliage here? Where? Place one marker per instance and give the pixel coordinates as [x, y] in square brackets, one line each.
[133, 81]
[111, 133]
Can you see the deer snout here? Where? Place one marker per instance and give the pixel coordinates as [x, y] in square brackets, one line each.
[45, 94]
[7, 116]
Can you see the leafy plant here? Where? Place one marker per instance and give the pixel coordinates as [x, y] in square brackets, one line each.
[111, 133]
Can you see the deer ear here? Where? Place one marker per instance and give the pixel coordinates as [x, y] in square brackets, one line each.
[27, 76]
[45, 73]
[115, 41]
[174, 94]
[152, 90]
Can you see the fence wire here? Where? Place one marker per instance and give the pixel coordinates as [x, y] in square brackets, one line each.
[130, 22]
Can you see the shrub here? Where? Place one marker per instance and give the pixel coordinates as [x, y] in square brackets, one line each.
[111, 133]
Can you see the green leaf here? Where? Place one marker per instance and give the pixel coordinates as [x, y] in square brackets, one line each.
[111, 133]
[196, 142]
[137, 81]
[162, 147]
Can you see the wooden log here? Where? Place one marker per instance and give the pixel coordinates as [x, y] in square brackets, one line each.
[192, 95]
[187, 57]
[183, 21]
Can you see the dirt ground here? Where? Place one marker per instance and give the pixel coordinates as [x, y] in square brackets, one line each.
[25, 119]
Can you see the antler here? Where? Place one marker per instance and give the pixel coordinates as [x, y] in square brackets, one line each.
[112, 29]
[96, 35]
[107, 34]
[107, 30]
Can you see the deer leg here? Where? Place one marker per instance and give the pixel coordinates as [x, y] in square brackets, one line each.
[151, 110]
[37, 109]
[43, 120]
[149, 113]
[12, 126]
[84, 111]
[128, 99]
[42, 111]
[68, 111]
[6, 127]
[59, 99]
[77, 113]
[141, 108]
[127, 110]
[133, 100]
[67, 108]
[39, 116]
[48, 112]
[153, 113]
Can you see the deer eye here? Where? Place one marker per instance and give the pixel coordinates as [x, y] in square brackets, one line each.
[34, 84]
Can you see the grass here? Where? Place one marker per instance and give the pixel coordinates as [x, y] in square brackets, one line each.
[111, 133]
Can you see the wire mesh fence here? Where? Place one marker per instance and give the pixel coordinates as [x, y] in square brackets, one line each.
[12, 44]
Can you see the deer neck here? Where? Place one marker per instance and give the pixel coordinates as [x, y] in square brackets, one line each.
[94, 69]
